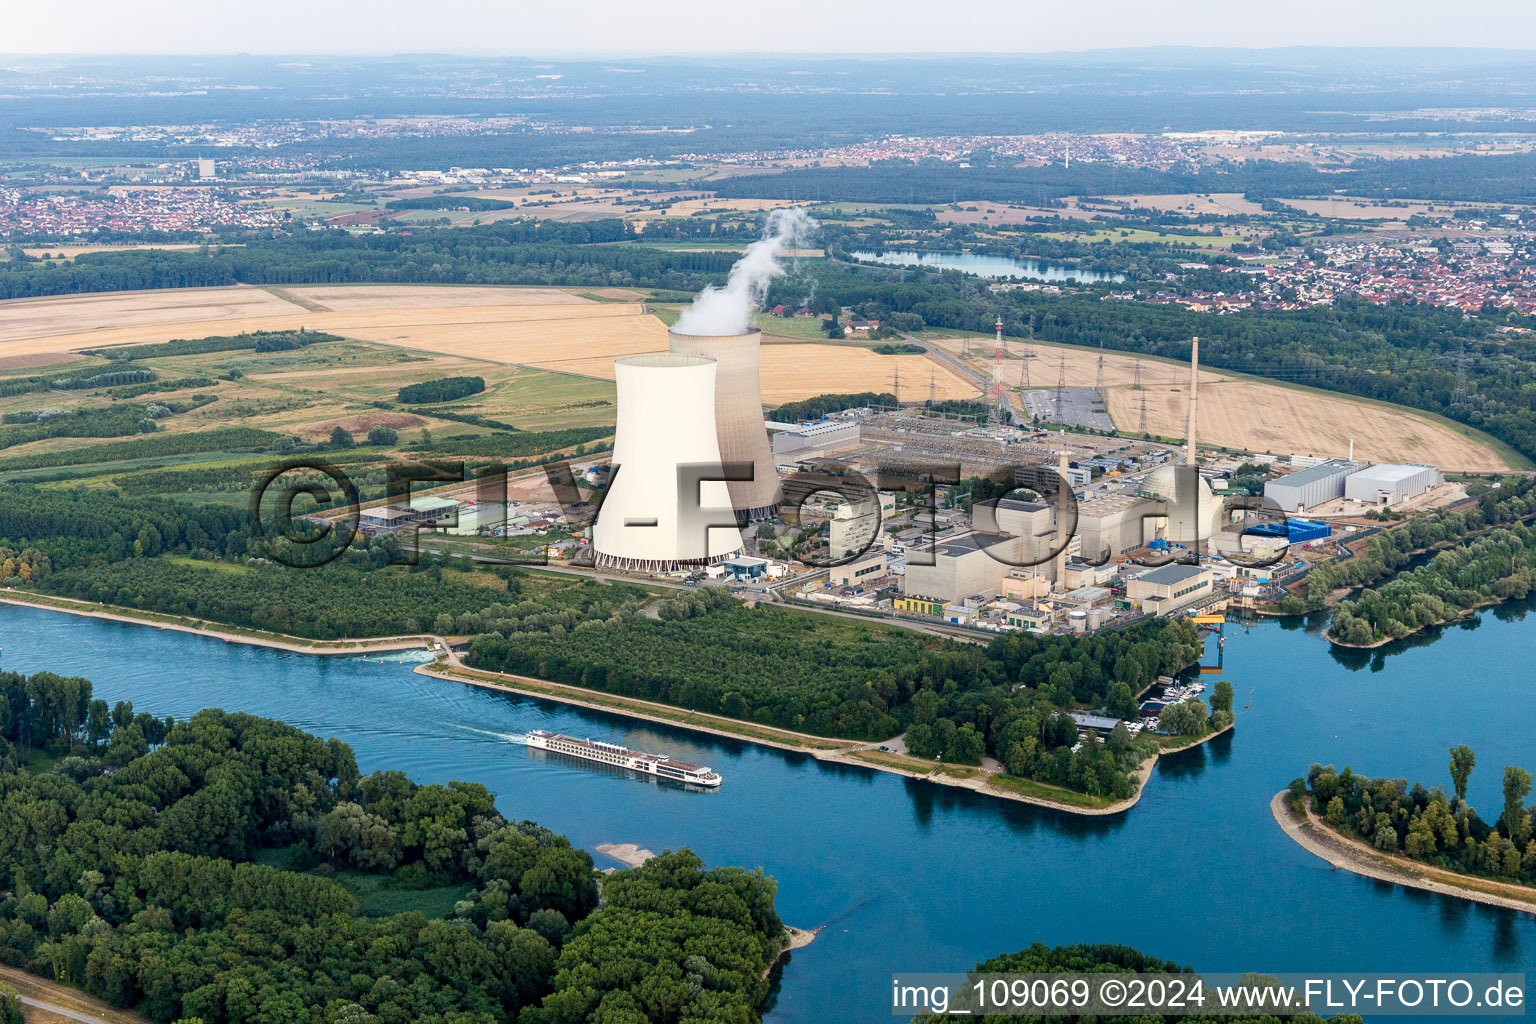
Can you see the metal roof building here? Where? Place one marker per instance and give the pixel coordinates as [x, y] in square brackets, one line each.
[1389, 484]
[1313, 486]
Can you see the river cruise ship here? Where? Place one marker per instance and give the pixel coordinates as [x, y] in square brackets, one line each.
[659, 765]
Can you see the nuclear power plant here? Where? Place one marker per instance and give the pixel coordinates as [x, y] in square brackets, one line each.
[666, 435]
[738, 412]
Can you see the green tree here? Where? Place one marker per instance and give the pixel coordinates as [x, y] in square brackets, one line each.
[1463, 760]
[1516, 819]
[341, 437]
[383, 435]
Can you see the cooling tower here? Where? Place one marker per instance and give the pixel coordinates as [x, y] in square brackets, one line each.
[666, 420]
[739, 416]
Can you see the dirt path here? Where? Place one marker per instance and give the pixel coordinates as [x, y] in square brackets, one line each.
[1316, 838]
[47, 1000]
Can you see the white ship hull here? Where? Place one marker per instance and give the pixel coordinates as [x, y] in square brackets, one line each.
[657, 765]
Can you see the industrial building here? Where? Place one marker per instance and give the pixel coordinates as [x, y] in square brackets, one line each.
[649, 521]
[852, 529]
[860, 572]
[1169, 588]
[1312, 486]
[823, 434]
[1113, 524]
[1295, 531]
[961, 568]
[738, 412]
[1389, 484]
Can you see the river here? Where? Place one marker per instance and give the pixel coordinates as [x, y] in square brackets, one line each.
[1001, 267]
[909, 876]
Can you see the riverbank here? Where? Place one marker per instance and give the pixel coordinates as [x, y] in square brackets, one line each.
[1312, 835]
[978, 780]
[229, 634]
[863, 755]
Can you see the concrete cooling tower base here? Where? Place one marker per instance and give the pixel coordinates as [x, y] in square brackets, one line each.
[653, 566]
[739, 417]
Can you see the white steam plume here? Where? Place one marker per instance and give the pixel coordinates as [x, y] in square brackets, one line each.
[729, 310]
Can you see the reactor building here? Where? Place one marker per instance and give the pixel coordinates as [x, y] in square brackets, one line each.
[738, 410]
[658, 514]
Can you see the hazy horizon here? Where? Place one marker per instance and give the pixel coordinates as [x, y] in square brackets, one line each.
[610, 28]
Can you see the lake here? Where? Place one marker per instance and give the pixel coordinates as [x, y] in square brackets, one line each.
[915, 877]
[1000, 267]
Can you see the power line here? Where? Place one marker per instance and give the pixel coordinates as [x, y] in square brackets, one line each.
[1061, 390]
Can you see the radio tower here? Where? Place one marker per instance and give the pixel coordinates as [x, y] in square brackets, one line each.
[1061, 389]
[998, 394]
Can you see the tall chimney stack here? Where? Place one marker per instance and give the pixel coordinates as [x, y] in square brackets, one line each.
[1194, 383]
[1063, 504]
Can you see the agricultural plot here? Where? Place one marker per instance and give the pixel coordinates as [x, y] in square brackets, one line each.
[1248, 412]
[401, 296]
[42, 321]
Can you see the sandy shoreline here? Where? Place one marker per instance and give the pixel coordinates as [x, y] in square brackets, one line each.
[1348, 855]
[71, 606]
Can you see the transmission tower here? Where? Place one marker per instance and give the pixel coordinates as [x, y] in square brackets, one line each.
[999, 394]
[1136, 377]
[1461, 375]
[1061, 389]
[896, 382]
[932, 387]
[1098, 383]
[1141, 425]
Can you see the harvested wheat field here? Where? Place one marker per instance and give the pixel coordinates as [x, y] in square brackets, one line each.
[391, 296]
[789, 372]
[1250, 413]
[502, 333]
[72, 315]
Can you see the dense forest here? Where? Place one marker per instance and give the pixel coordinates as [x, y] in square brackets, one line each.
[214, 870]
[797, 670]
[816, 407]
[1102, 959]
[1469, 178]
[443, 389]
[507, 252]
[1424, 823]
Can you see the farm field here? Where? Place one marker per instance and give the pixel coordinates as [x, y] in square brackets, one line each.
[1200, 205]
[74, 315]
[1364, 209]
[1250, 413]
[1138, 235]
[398, 296]
[789, 372]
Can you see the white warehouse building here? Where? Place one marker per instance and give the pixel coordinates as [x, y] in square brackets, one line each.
[1390, 483]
